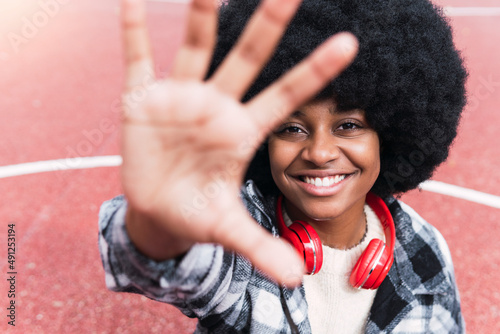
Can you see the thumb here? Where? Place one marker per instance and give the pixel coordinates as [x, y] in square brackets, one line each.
[275, 257]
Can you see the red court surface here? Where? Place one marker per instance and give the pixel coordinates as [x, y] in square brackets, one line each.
[60, 78]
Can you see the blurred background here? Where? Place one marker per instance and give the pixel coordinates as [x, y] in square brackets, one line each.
[60, 82]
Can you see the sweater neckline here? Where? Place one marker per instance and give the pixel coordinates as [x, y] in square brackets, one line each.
[341, 261]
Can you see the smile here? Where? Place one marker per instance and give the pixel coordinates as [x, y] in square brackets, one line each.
[323, 182]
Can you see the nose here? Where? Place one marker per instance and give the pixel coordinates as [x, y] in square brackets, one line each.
[320, 149]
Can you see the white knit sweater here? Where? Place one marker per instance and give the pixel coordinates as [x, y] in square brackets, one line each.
[334, 305]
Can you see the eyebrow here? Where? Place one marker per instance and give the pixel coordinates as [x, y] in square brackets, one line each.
[353, 110]
[300, 114]
[297, 114]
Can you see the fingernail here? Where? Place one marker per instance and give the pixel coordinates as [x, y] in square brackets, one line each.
[349, 44]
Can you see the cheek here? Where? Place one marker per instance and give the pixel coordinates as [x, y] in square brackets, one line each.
[366, 155]
[280, 157]
[275, 157]
[372, 157]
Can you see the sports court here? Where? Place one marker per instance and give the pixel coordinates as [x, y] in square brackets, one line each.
[60, 82]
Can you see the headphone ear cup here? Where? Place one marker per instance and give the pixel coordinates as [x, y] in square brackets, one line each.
[291, 236]
[310, 244]
[385, 270]
[366, 270]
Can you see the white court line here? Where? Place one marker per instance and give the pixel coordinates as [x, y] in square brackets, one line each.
[448, 10]
[460, 192]
[472, 11]
[111, 161]
[59, 164]
[116, 160]
[170, 1]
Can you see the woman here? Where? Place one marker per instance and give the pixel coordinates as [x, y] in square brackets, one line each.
[330, 150]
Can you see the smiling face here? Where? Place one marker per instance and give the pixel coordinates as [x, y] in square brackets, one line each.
[325, 161]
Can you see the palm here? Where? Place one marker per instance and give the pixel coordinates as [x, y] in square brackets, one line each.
[190, 160]
[187, 142]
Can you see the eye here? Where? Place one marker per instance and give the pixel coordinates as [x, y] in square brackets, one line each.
[349, 126]
[290, 128]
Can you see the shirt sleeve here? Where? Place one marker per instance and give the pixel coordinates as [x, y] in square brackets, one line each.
[195, 283]
[447, 317]
[440, 311]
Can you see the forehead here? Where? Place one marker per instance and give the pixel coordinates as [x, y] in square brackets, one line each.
[326, 105]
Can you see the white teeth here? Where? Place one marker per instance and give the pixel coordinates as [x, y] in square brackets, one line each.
[318, 182]
[324, 182]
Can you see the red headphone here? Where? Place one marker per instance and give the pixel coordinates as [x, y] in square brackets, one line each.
[373, 265]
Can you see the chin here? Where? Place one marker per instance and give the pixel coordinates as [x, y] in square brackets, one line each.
[322, 213]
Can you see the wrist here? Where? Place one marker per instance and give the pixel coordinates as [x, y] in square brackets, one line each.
[151, 239]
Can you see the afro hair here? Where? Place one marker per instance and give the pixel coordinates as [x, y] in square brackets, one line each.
[408, 78]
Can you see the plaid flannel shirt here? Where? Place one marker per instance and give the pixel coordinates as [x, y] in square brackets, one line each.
[228, 295]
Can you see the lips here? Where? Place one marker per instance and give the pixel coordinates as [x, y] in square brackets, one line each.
[321, 182]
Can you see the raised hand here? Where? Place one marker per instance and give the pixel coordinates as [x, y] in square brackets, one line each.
[187, 142]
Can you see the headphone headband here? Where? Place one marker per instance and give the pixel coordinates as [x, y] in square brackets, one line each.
[373, 265]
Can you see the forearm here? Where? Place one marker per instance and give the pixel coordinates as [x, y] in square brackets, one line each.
[151, 239]
[129, 270]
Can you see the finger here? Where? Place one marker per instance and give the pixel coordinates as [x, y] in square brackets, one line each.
[240, 233]
[300, 84]
[137, 50]
[255, 47]
[193, 58]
